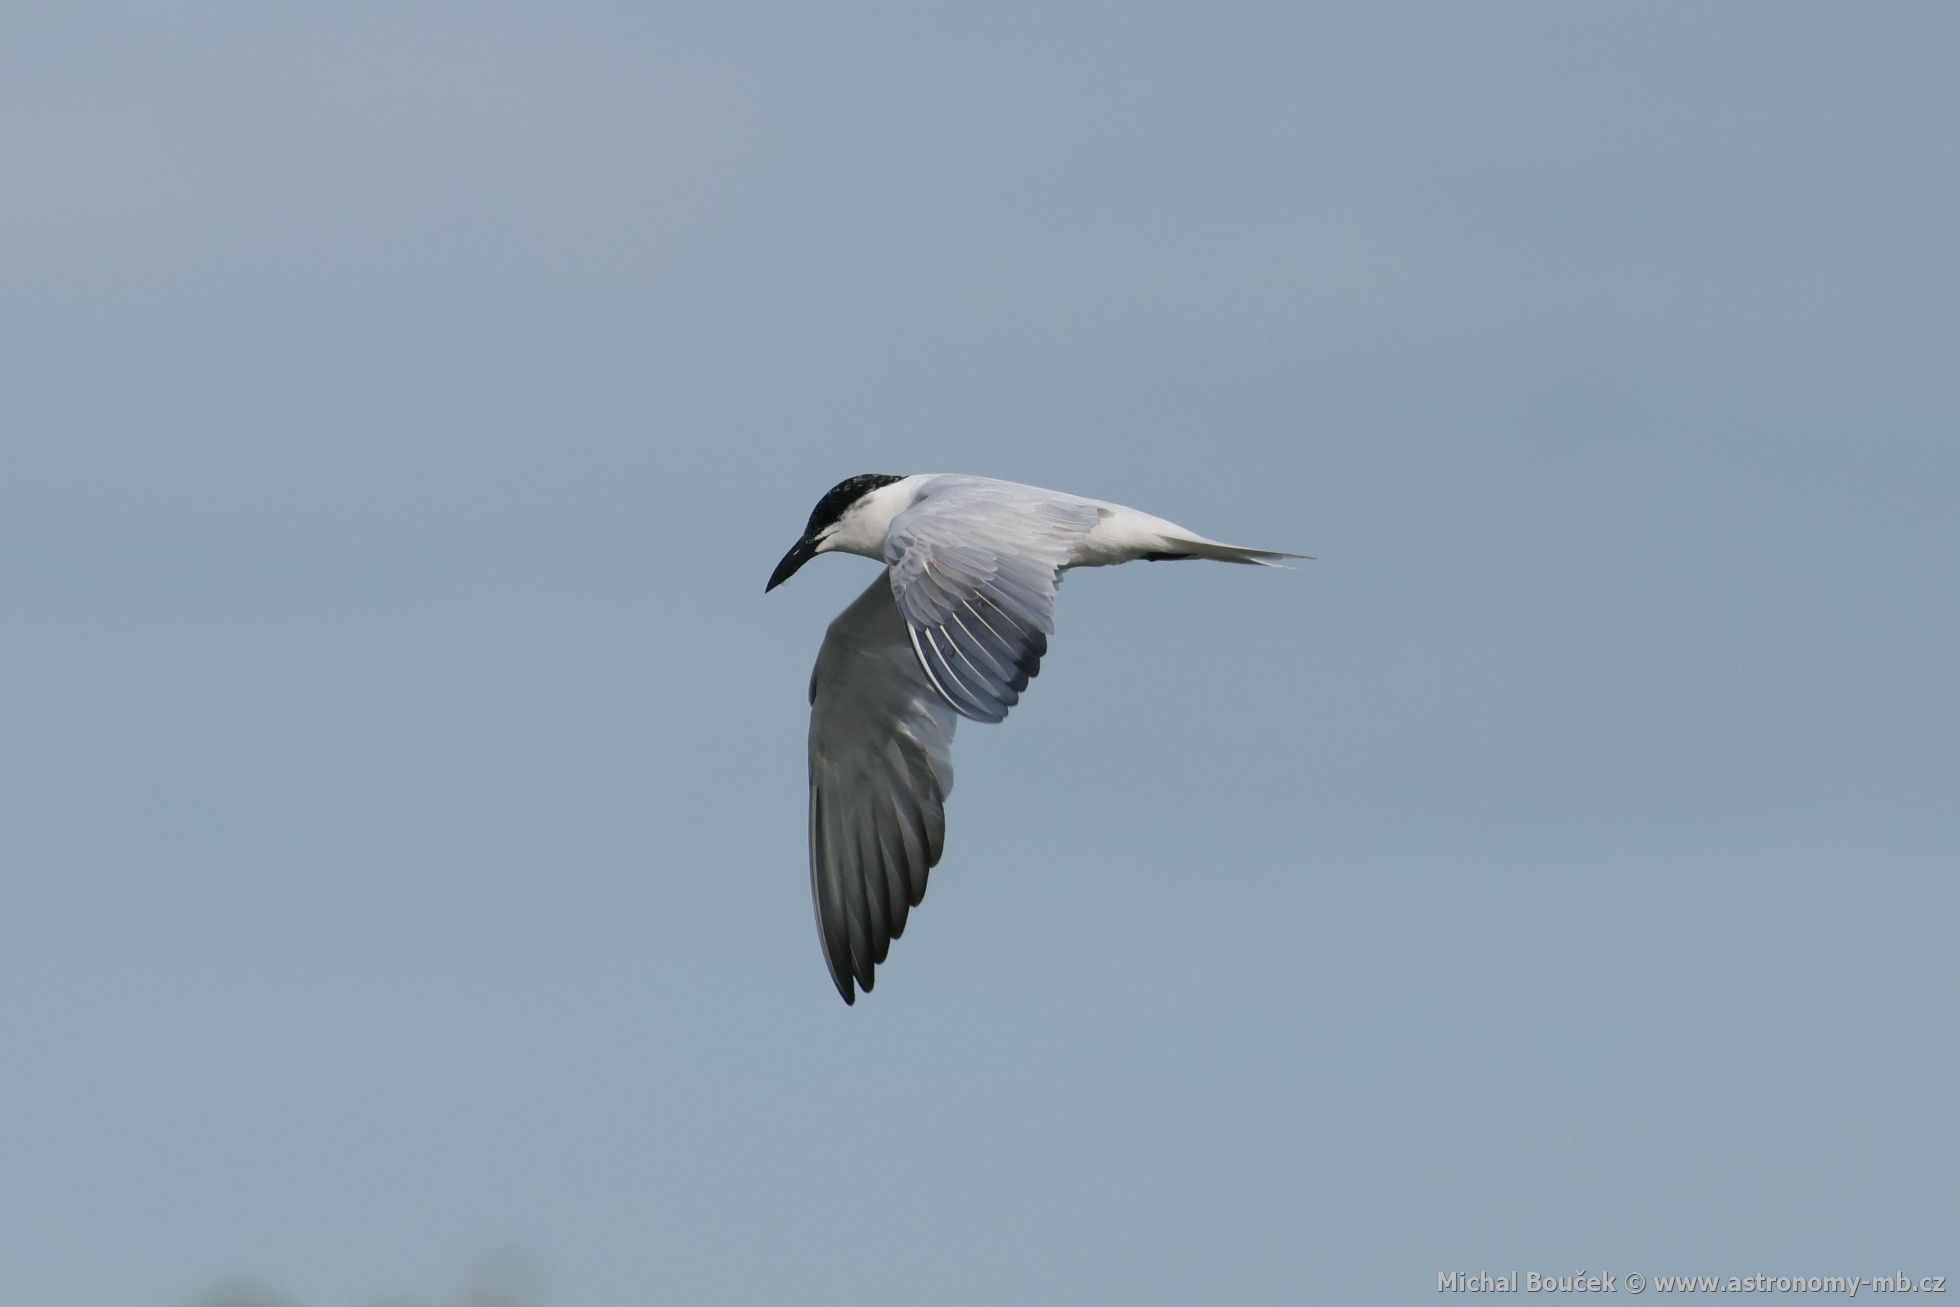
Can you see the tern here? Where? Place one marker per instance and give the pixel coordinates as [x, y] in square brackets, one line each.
[954, 627]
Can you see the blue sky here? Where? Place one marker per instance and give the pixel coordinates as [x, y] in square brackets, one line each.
[401, 796]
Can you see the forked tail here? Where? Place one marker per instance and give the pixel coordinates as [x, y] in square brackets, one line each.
[1199, 547]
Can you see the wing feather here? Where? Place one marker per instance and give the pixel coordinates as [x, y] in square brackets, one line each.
[974, 568]
[880, 770]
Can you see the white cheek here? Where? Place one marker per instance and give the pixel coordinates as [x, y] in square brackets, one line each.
[843, 534]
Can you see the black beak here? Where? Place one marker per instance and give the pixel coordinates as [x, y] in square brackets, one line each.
[799, 553]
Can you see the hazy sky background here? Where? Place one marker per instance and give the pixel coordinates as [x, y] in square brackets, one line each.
[401, 769]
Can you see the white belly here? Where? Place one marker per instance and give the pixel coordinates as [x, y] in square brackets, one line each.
[1124, 535]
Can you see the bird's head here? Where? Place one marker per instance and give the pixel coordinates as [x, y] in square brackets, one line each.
[832, 514]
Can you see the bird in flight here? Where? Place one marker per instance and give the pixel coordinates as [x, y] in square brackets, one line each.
[954, 627]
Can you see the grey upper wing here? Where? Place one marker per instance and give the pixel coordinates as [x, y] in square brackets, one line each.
[974, 567]
[880, 770]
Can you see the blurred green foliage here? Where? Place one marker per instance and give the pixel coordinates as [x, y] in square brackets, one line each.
[504, 1279]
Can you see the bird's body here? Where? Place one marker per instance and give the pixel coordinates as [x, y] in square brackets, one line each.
[1118, 534]
[955, 627]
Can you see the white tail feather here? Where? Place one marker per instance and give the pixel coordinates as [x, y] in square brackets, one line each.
[1199, 547]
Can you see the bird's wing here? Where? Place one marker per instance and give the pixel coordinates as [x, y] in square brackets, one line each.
[974, 566]
[880, 769]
